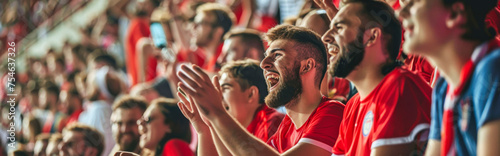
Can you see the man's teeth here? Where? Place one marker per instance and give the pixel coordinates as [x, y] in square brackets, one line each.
[272, 77]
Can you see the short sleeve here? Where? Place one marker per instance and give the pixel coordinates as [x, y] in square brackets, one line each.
[323, 129]
[403, 115]
[487, 89]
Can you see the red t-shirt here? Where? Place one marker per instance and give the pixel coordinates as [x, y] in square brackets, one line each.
[176, 147]
[320, 129]
[395, 112]
[265, 123]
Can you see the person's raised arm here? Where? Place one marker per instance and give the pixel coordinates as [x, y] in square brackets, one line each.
[190, 111]
[328, 6]
[195, 82]
[180, 35]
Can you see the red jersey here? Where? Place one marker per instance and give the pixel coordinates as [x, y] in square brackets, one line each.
[265, 123]
[321, 128]
[176, 147]
[395, 112]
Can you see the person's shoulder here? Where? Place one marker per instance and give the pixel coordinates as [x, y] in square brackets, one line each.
[490, 63]
[327, 103]
[402, 74]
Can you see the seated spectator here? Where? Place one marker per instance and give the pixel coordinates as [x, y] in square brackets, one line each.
[52, 147]
[164, 130]
[126, 111]
[79, 139]
[72, 105]
[101, 88]
[49, 101]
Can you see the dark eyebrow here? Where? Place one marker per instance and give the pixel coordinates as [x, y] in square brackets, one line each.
[274, 50]
[341, 21]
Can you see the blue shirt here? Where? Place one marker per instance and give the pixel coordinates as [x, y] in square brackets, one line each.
[478, 104]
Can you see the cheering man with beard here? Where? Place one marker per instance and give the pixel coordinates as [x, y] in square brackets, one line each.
[294, 67]
[391, 112]
[126, 111]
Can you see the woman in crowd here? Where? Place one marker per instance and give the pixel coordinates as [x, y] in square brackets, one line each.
[164, 130]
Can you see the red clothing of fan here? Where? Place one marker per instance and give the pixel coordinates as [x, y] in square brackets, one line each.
[419, 65]
[395, 112]
[265, 123]
[177, 147]
[320, 129]
[139, 28]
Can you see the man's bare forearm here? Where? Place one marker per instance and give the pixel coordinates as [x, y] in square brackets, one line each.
[237, 140]
[219, 145]
[206, 145]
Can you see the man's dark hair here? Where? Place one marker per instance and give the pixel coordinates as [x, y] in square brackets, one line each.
[309, 45]
[252, 38]
[92, 137]
[51, 87]
[375, 13]
[247, 73]
[475, 12]
[224, 17]
[129, 102]
[100, 56]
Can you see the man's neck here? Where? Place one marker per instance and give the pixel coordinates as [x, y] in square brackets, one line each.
[211, 49]
[451, 58]
[301, 108]
[367, 79]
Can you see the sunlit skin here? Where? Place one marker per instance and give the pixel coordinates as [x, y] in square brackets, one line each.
[124, 127]
[239, 102]
[153, 132]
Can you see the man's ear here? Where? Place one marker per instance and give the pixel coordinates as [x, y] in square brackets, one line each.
[457, 16]
[219, 32]
[90, 151]
[307, 65]
[372, 36]
[254, 94]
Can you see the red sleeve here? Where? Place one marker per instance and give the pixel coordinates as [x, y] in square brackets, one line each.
[177, 147]
[404, 111]
[323, 128]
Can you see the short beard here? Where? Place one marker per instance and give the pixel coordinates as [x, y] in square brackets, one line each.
[287, 91]
[206, 42]
[131, 146]
[349, 58]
